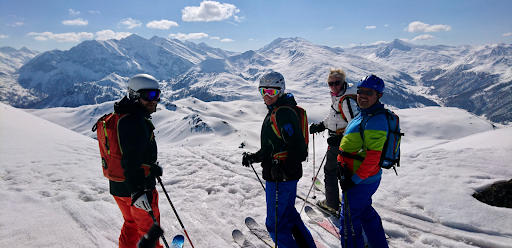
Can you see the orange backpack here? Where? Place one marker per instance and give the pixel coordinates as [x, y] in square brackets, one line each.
[106, 129]
[303, 121]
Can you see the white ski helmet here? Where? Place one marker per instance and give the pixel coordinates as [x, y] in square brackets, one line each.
[273, 80]
[141, 82]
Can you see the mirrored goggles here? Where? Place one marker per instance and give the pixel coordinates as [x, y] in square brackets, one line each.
[269, 92]
[334, 83]
[150, 95]
[365, 92]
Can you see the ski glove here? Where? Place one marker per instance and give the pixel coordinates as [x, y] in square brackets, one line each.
[277, 172]
[316, 128]
[157, 170]
[142, 199]
[249, 158]
[345, 176]
[334, 140]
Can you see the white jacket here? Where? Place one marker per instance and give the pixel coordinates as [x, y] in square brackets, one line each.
[334, 121]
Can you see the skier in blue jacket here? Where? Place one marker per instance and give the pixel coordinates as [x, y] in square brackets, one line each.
[361, 179]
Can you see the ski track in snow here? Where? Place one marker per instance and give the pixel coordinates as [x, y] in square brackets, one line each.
[54, 194]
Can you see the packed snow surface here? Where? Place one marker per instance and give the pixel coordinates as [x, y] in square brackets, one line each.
[53, 193]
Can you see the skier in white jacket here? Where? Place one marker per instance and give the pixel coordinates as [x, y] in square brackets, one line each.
[341, 112]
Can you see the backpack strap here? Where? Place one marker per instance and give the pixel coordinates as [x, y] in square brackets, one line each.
[346, 97]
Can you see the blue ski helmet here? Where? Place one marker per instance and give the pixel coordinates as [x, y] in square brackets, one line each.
[372, 82]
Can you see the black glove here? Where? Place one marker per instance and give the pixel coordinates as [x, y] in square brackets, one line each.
[334, 140]
[316, 128]
[249, 158]
[156, 170]
[345, 176]
[142, 199]
[277, 172]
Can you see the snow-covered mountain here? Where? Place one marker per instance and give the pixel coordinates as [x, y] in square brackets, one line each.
[304, 66]
[475, 78]
[469, 77]
[10, 61]
[480, 81]
[64, 75]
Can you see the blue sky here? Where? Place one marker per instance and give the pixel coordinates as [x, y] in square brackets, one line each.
[242, 25]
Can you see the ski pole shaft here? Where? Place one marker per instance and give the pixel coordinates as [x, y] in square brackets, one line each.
[174, 209]
[314, 179]
[345, 238]
[350, 218]
[156, 222]
[314, 159]
[258, 178]
[277, 203]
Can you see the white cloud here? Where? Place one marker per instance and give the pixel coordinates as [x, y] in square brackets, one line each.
[329, 28]
[210, 11]
[62, 37]
[130, 23]
[378, 42]
[2, 36]
[163, 24]
[370, 27]
[73, 12]
[191, 36]
[507, 34]
[424, 37]
[239, 19]
[423, 27]
[77, 22]
[16, 24]
[214, 38]
[109, 34]
[386, 25]
[227, 40]
[94, 11]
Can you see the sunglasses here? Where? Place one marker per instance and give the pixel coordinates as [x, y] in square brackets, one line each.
[269, 92]
[334, 83]
[150, 95]
[365, 92]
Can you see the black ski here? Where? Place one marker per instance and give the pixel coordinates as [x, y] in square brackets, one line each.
[259, 231]
[240, 239]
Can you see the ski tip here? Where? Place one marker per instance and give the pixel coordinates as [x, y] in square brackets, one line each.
[179, 237]
[249, 220]
[177, 241]
[236, 232]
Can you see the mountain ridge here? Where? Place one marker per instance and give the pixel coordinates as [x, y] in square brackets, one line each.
[415, 75]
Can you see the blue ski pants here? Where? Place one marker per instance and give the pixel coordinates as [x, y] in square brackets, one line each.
[363, 216]
[291, 231]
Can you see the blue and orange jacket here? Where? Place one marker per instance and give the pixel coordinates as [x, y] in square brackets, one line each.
[375, 132]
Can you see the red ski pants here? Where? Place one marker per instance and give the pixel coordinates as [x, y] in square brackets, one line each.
[137, 222]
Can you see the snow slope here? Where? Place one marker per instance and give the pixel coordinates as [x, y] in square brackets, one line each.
[53, 193]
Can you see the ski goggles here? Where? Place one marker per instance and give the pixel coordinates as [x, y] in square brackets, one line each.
[150, 95]
[269, 92]
[365, 92]
[334, 83]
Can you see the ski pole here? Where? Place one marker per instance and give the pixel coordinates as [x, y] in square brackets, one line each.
[344, 220]
[258, 177]
[318, 171]
[350, 219]
[174, 209]
[156, 223]
[277, 196]
[314, 159]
